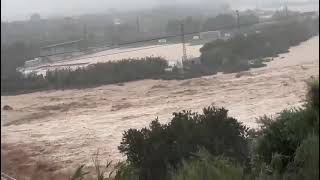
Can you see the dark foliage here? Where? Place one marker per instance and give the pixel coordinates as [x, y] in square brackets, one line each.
[100, 74]
[109, 72]
[313, 94]
[18, 83]
[97, 74]
[284, 134]
[153, 151]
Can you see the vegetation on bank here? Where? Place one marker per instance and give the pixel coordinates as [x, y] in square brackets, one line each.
[245, 51]
[97, 74]
[239, 53]
[212, 145]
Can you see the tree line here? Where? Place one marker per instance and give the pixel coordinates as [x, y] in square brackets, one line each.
[248, 50]
[240, 53]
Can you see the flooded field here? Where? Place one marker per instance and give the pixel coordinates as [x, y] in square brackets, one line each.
[68, 127]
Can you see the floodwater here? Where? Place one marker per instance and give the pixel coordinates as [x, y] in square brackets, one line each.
[69, 126]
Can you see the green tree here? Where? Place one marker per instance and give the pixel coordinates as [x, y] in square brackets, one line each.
[155, 150]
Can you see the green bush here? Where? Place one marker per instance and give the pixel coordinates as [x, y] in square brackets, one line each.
[97, 74]
[109, 72]
[20, 83]
[207, 167]
[125, 171]
[100, 74]
[313, 93]
[283, 135]
[155, 150]
[307, 158]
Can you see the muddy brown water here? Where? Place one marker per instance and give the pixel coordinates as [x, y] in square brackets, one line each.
[69, 126]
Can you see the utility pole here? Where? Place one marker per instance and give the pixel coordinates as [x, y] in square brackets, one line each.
[85, 36]
[138, 24]
[184, 50]
[238, 20]
[286, 9]
[85, 32]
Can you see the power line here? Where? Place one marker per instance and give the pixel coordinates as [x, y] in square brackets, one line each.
[238, 20]
[101, 56]
[157, 46]
[120, 52]
[138, 25]
[110, 47]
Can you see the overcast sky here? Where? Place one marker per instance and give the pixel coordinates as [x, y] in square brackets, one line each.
[22, 9]
[13, 9]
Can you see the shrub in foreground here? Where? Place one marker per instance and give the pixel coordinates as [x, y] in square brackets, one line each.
[161, 147]
[280, 137]
[307, 158]
[207, 167]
